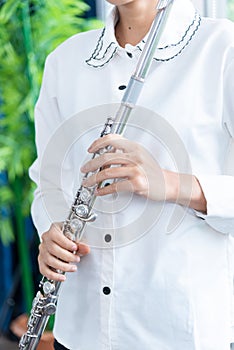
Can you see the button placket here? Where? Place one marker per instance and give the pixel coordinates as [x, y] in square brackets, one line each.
[107, 282]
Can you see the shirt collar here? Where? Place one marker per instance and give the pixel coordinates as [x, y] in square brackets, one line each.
[181, 27]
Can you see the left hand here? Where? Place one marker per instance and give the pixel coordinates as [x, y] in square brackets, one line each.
[129, 162]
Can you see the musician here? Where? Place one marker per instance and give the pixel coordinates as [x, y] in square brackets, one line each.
[162, 277]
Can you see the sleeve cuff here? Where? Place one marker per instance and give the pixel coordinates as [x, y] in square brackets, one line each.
[219, 194]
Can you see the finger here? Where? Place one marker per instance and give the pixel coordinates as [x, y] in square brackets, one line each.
[113, 140]
[61, 253]
[116, 187]
[107, 174]
[49, 262]
[55, 234]
[50, 274]
[105, 160]
[57, 264]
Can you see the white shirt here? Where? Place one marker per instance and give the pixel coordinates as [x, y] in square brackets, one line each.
[170, 276]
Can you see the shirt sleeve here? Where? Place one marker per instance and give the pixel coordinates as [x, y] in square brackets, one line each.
[50, 201]
[219, 189]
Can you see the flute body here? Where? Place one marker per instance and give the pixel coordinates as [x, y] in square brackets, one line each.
[44, 304]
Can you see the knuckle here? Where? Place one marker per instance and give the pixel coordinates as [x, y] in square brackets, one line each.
[40, 247]
[44, 236]
[138, 181]
[49, 260]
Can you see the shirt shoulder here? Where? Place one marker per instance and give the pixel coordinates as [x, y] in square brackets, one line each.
[80, 46]
[222, 30]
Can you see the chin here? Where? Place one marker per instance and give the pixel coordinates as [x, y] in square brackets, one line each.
[119, 2]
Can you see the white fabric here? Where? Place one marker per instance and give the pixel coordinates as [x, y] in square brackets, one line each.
[172, 284]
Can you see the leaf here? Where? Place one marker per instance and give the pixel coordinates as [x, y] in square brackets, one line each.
[8, 9]
[6, 196]
[6, 231]
[22, 55]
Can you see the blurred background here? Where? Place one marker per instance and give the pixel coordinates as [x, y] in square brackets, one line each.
[29, 30]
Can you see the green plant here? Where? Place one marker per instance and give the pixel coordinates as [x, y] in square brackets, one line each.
[29, 31]
[231, 9]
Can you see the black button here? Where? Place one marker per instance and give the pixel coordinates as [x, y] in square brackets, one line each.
[129, 54]
[122, 87]
[106, 290]
[107, 238]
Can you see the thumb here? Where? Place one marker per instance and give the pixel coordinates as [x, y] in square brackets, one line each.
[83, 249]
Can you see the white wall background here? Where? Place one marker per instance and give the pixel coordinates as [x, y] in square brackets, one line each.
[212, 8]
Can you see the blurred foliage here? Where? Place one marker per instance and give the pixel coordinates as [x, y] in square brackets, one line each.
[231, 9]
[29, 31]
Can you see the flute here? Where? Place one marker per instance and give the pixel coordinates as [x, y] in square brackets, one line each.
[44, 304]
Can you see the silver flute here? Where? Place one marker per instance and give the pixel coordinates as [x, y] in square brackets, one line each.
[45, 302]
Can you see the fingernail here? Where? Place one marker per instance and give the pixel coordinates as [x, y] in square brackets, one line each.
[62, 278]
[73, 267]
[74, 247]
[77, 258]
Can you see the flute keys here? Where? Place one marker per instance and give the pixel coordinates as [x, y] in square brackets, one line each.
[48, 287]
[50, 309]
[76, 225]
[85, 195]
[82, 210]
[107, 127]
[101, 151]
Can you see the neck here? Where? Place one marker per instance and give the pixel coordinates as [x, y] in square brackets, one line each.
[135, 19]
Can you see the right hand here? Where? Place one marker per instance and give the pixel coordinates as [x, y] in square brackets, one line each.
[56, 252]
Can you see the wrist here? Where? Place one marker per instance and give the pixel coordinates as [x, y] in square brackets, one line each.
[171, 180]
[184, 189]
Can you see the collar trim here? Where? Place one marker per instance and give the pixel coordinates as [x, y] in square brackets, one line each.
[181, 45]
[107, 45]
[101, 57]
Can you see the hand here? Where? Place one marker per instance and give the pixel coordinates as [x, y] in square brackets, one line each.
[134, 166]
[140, 173]
[56, 253]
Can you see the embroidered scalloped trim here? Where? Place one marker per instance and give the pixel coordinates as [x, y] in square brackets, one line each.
[196, 18]
[97, 51]
[95, 61]
[182, 49]
[100, 42]
[103, 64]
